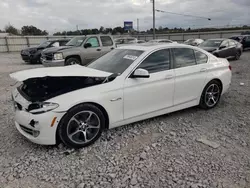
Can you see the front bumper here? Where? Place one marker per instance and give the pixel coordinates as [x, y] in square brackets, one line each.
[35, 127]
[52, 63]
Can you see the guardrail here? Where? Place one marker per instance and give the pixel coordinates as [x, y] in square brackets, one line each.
[17, 43]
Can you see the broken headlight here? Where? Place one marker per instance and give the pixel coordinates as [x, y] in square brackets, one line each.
[41, 107]
[58, 56]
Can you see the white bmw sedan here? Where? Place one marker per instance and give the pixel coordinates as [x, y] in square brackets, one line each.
[74, 104]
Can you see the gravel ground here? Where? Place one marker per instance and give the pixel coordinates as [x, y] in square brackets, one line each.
[191, 148]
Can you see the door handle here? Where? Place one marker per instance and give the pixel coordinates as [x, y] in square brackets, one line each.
[98, 49]
[203, 70]
[168, 77]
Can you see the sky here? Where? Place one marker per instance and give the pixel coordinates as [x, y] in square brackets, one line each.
[60, 15]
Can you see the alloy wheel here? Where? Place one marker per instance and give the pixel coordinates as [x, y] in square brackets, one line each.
[83, 127]
[212, 95]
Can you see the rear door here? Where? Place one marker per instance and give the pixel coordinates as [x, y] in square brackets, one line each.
[107, 44]
[226, 51]
[190, 74]
[91, 53]
[247, 42]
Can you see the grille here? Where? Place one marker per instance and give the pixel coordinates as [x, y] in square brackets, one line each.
[27, 130]
[48, 56]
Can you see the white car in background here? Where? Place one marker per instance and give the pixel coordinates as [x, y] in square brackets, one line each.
[75, 104]
[161, 41]
[194, 42]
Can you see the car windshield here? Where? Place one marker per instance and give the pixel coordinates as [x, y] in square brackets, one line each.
[76, 41]
[211, 43]
[116, 61]
[44, 44]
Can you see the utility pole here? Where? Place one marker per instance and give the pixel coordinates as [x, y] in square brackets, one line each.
[138, 25]
[153, 19]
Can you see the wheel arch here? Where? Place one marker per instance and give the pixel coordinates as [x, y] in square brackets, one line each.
[74, 56]
[58, 140]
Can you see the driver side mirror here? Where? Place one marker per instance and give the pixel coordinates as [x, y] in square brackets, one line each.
[140, 73]
[221, 47]
[87, 45]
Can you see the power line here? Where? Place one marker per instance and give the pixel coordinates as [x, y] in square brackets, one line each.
[182, 14]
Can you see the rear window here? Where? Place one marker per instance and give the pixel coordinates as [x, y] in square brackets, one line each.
[201, 58]
[106, 41]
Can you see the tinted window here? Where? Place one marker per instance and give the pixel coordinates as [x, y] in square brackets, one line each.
[106, 41]
[211, 43]
[184, 57]
[93, 41]
[157, 61]
[247, 39]
[200, 57]
[63, 43]
[116, 61]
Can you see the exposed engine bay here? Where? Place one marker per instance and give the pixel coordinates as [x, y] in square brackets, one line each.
[41, 89]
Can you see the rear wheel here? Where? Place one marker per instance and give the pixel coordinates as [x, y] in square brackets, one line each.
[72, 61]
[81, 126]
[211, 95]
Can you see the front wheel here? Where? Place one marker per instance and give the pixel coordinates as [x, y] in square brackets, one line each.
[72, 61]
[81, 126]
[211, 95]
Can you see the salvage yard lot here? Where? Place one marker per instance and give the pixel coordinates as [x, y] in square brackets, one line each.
[167, 151]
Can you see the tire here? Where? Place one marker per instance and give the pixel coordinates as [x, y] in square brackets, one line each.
[212, 89]
[76, 131]
[72, 61]
[237, 55]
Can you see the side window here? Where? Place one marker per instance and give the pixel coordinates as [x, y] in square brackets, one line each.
[231, 43]
[184, 57]
[62, 43]
[93, 41]
[106, 41]
[200, 57]
[157, 61]
[55, 44]
[247, 39]
[224, 43]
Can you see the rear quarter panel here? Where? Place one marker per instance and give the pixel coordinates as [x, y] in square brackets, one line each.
[219, 69]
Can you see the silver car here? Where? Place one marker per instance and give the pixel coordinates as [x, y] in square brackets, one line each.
[79, 50]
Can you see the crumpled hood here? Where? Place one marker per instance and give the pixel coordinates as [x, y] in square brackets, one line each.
[56, 49]
[67, 71]
[30, 48]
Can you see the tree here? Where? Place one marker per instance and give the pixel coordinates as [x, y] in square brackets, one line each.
[101, 30]
[11, 29]
[32, 30]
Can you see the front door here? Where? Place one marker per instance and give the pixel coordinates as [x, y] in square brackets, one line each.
[146, 95]
[91, 53]
[190, 74]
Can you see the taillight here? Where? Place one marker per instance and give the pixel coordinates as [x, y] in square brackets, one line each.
[230, 68]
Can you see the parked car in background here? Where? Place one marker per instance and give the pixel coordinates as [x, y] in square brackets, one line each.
[75, 104]
[194, 42]
[225, 48]
[245, 33]
[141, 41]
[243, 39]
[79, 50]
[125, 41]
[161, 41]
[33, 54]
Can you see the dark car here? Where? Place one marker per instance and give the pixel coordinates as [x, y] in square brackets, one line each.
[243, 39]
[33, 54]
[225, 48]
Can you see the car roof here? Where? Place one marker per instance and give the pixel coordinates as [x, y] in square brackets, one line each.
[218, 39]
[150, 47]
[53, 40]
